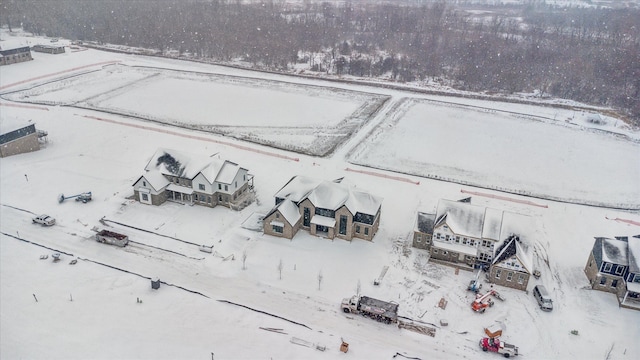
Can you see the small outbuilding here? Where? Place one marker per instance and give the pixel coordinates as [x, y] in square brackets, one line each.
[49, 49]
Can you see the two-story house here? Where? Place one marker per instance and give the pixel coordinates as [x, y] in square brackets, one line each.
[462, 233]
[329, 209]
[613, 267]
[207, 181]
[512, 264]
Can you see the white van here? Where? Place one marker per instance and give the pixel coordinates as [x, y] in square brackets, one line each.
[543, 298]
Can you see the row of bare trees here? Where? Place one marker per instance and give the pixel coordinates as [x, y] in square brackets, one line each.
[584, 54]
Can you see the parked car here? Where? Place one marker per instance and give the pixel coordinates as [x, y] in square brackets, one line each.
[543, 298]
[45, 220]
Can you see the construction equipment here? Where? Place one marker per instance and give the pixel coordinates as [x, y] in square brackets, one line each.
[379, 310]
[482, 302]
[475, 285]
[84, 197]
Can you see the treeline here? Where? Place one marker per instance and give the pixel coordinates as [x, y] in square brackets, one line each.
[585, 54]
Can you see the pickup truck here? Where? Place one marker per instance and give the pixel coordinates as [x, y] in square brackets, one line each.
[45, 220]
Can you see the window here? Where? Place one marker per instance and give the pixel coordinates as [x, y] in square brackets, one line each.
[209, 199]
[446, 237]
[226, 188]
[619, 270]
[277, 229]
[306, 217]
[521, 279]
[509, 276]
[277, 215]
[498, 273]
[636, 278]
[418, 238]
[435, 251]
[472, 242]
[343, 225]
[445, 252]
[457, 239]
[201, 187]
[145, 197]
[195, 197]
[464, 241]
[219, 186]
[236, 184]
[614, 283]
[144, 183]
[244, 177]
[607, 267]
[358, 229]
[603, 280]
[366, 231]
[437, 235]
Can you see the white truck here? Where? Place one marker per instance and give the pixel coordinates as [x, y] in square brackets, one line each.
[379, 310]
[45, 220]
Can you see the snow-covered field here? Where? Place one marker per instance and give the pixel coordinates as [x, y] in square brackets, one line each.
[90, 309]
[485, 147]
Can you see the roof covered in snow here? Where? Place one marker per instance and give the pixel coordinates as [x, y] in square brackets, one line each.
[156, 180]
[513, 247]
[298, 188]
[329, 195]
[614, 251]
[362, 202]
[492, 224]
[290, 211]
[175, 163]
[462, 218]
[517, 224]
[424, 223]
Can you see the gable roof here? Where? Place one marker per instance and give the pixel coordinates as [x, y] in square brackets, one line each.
[155, 179]
[289, 211]
[424, 223]
[462, 218]
[513, 246]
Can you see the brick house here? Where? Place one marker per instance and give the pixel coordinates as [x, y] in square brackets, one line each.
[329, 209]
[423, 230]
[613, 266]
[206, 181]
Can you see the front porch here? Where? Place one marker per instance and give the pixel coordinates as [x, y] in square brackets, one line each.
[179, 193]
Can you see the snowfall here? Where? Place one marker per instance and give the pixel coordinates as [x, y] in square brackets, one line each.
[107, 113]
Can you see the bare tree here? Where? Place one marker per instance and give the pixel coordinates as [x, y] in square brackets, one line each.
[244, 259]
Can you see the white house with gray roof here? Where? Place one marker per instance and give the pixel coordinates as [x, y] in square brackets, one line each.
[207, 181]
[324, 208]
[461, 233]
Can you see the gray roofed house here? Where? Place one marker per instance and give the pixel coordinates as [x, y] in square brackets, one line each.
[18, 137]
[326, 208]
[612, 266]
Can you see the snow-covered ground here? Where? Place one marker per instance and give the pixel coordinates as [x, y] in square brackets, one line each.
[90, 309]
